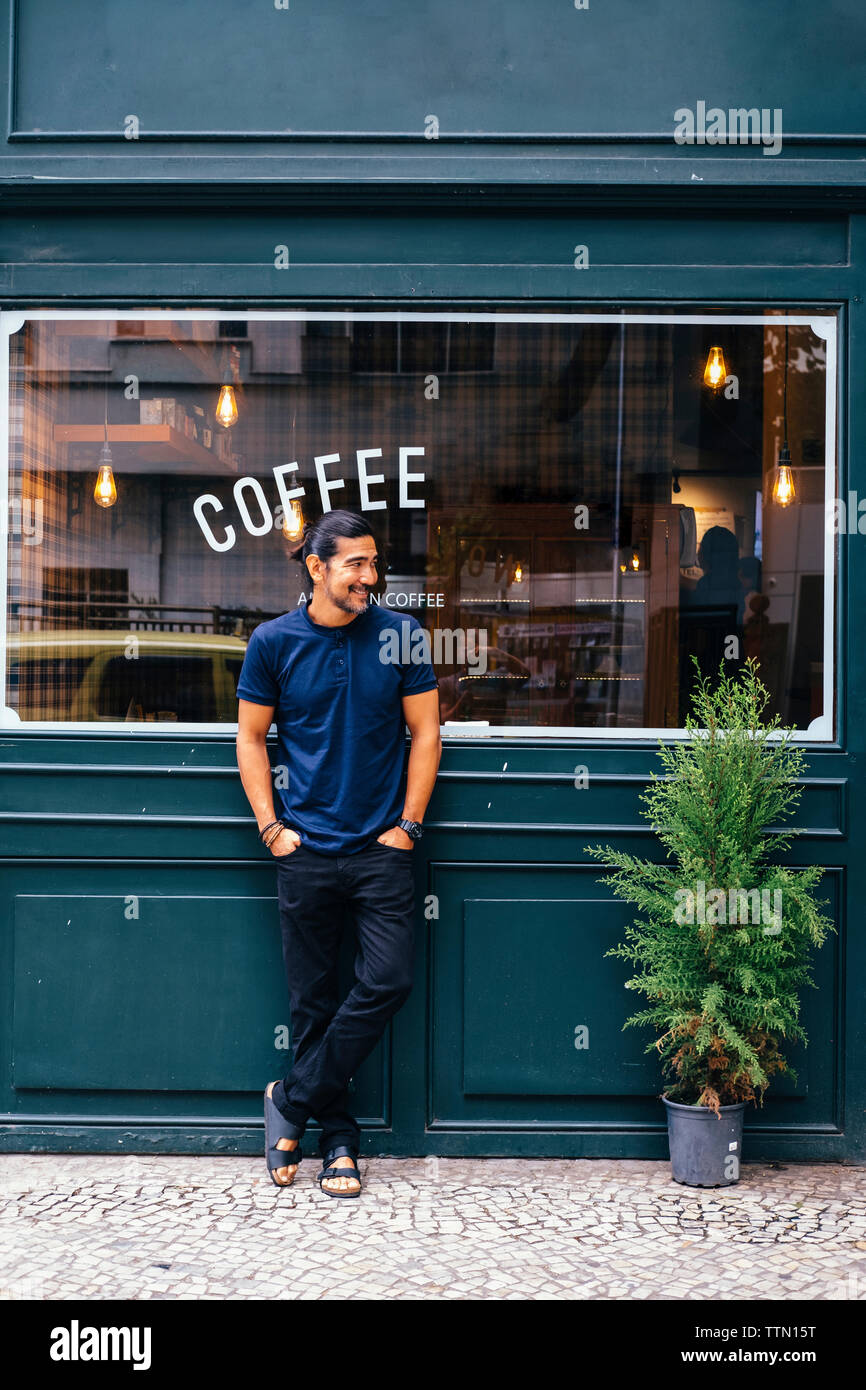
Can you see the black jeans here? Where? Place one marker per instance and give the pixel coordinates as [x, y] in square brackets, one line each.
[375, 888]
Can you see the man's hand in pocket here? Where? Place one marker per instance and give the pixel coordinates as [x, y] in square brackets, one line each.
[285, 843]
[396, 838]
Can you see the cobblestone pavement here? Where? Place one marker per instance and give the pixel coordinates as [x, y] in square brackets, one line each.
[216, 1228]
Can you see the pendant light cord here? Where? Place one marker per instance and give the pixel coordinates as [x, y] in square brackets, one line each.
[785, 388]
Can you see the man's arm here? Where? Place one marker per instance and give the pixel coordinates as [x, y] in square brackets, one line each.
[421, 713]
[255, 769]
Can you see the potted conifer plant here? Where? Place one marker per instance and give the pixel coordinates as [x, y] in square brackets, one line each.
[721, 946]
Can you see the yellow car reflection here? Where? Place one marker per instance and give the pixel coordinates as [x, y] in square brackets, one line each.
[106, 676]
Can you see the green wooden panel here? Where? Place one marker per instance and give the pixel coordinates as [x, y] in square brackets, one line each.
[597, 802]
[353, 236]
[156, 1003]
[533, 973]
[187, 996]
[208, 1113]
[380, 68]
[517, 962]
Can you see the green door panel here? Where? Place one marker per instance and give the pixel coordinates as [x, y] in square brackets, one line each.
[179, 792]
[534, 974]
[189, 995]
[517, 963]
[607, 805]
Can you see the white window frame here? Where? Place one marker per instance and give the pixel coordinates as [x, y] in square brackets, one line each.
[821, 730]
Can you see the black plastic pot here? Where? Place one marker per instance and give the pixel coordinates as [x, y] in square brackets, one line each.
[706, 1147]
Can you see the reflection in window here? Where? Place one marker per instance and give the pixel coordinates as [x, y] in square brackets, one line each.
[596, 518]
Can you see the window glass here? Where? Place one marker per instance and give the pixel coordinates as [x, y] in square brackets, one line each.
[583, 510]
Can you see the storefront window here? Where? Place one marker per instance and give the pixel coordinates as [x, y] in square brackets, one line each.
[577, 507]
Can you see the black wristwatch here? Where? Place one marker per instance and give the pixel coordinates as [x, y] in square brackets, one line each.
[413, 828]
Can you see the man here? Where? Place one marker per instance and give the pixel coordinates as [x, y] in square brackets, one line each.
[345, 827]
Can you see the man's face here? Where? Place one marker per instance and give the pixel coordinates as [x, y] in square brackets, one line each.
[349, 576]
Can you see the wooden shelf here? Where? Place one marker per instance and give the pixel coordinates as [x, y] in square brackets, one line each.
[137, 448]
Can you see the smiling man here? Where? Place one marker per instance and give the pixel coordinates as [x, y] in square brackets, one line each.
[344, 831]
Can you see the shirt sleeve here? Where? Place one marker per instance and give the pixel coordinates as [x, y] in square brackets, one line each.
[256, 681]
[417, 676]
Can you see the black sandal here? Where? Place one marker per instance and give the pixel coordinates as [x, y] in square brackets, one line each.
[327, 1172]
[278, 1127]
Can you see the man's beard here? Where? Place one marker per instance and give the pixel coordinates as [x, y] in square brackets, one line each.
[352, 603]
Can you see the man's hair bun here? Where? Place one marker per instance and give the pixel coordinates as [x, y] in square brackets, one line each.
[295, 551]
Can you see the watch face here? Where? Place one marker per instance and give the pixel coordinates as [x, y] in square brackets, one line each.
[412, 828]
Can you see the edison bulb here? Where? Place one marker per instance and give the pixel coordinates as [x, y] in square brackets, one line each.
[784, 491]
[293, 521]
[227, 408]
[715, 371]
[105, 492]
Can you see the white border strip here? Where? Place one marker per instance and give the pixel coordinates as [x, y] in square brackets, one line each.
[825, 327]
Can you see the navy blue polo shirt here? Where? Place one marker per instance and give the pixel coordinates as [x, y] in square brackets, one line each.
[340, 726]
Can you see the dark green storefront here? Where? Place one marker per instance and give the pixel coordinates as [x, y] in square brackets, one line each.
[143, 1003]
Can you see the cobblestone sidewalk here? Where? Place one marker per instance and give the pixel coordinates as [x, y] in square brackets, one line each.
[206, 1227]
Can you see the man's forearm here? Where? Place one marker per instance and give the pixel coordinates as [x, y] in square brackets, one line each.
[255, 769]
[424, 755]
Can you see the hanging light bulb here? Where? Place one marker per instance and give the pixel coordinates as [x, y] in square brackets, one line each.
[105, 491]
[293, 521]
[227, 406]
[784, 492]
[715, 371]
